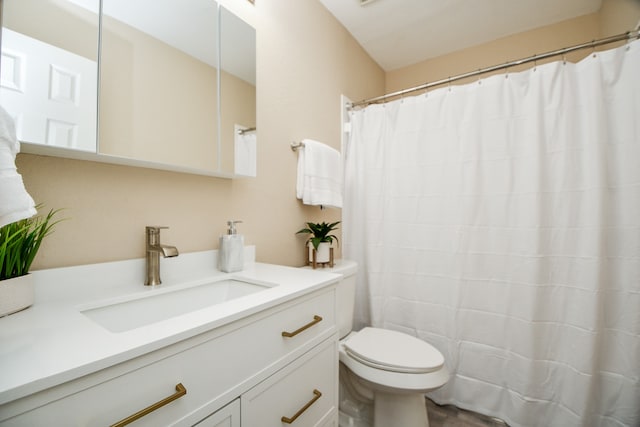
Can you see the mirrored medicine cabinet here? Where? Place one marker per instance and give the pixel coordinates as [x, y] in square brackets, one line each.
[165, 84]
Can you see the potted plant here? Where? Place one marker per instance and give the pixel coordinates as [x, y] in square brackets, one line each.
[19, 244]
[320, 240]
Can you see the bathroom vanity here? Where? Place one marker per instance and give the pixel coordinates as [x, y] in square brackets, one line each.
[99, 349]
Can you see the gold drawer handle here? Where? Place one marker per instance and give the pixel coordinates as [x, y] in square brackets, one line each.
[180, 391]
[316, 396]
[316, 319]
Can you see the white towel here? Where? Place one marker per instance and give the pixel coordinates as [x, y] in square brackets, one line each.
[319, 175]
[245, 154]
[15, 202]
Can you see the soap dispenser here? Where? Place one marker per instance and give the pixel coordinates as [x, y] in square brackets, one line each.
[231, 253]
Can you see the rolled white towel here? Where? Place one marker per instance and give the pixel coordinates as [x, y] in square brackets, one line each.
[15, 202]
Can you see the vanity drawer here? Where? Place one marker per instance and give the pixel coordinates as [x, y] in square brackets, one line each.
[292, 330]
[214, 368]
[305, 393]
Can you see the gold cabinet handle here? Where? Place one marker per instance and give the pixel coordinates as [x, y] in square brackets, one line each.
[180, 391]
[316, 396]
[316, 319]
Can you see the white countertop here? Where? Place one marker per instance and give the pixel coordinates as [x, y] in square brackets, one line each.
[52, 342]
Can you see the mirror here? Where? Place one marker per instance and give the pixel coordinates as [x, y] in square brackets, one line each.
[162, 100]
[237, 94]
[158, 81]
[48, 80]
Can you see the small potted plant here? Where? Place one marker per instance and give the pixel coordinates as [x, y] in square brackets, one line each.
[19, 244]
[320, 241]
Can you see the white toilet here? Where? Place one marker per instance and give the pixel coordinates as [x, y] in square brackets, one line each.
[383, 374]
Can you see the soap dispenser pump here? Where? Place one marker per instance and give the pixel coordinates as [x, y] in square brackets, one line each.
[231, 253]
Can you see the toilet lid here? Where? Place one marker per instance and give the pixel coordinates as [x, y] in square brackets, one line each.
[393, 351]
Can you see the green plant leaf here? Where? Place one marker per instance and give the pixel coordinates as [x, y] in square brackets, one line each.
[320, 232]
[20, 242]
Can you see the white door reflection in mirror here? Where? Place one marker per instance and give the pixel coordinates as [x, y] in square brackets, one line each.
[48, 80]
[50, 92]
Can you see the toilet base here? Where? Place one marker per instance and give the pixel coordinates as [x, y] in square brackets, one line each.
[346, 420]
[390, 410]
[365, 404]
[356, 402]
[406, 410]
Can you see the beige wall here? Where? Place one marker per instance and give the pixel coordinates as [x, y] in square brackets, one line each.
[305, 61]
[615, 16]
[618, 16]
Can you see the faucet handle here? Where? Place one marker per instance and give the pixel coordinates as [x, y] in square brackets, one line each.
[153, 234]
[155, 228]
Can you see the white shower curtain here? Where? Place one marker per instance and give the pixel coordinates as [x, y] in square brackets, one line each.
[500, 221]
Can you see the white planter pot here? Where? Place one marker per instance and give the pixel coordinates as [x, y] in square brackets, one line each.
[322, 254]
[16, 294]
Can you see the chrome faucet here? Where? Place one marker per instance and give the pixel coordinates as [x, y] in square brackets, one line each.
[154, 250]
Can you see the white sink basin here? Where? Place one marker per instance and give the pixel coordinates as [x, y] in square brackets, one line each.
[165, 303]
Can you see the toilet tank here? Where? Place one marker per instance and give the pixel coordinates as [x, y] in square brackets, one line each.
[345, 294]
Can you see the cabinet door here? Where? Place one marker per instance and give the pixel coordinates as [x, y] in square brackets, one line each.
[229, 416]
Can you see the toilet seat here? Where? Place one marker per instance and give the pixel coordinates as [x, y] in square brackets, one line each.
[393, 351]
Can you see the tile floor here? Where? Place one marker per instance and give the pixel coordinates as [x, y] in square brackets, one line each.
[451, 416]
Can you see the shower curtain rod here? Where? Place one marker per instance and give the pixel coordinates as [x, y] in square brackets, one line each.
[629, 35]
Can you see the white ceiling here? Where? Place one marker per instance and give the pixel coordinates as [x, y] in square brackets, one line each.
[397, 33]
